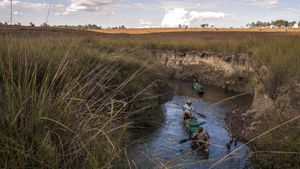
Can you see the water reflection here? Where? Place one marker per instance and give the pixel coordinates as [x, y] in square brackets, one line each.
[163, 148]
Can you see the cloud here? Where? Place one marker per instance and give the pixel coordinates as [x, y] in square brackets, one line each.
[87, 5]
[145, 24]
[179, 4]
[194, 15]
[17, 13]
[175, 17]
[263, 3]
[28, 5]
[180, 16]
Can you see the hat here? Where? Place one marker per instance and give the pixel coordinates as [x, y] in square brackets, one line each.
[200, 128]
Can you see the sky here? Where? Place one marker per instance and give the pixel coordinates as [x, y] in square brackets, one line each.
[149, 13]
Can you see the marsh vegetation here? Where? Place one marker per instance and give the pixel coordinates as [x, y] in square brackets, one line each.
[69, 98]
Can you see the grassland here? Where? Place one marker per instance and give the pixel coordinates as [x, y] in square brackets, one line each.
[68, 97]
[279, 51]
[66, 103]
[166, 30]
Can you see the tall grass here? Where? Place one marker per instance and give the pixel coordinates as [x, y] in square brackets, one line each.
[66, 105]
[280, 53]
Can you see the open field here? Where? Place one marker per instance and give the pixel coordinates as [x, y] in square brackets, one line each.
[277, 49]
[165, 30]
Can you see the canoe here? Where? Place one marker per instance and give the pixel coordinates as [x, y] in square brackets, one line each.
[191, 126]
[198, 88]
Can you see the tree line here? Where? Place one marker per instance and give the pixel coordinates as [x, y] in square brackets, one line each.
[273, 24]
[205, 25]
[258, 24]
[79, 27]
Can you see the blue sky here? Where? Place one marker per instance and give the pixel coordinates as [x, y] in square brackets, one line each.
[150, 13]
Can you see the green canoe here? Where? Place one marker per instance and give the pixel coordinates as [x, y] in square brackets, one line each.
[192, 125]
[198, 88]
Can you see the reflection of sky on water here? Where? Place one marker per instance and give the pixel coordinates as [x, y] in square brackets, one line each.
[163, 147]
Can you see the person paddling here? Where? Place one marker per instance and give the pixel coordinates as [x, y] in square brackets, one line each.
[201, 139]
[188, 109]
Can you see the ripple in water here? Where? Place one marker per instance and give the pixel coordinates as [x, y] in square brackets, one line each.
[163, 148]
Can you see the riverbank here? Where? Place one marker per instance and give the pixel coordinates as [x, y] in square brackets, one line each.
[276, 149]
[275, 101]
[232, 72]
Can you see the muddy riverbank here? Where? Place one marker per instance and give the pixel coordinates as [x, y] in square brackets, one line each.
[273, 103]
[229, 71]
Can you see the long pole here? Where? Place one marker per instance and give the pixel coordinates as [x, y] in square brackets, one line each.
[11, 12]
[48, 13]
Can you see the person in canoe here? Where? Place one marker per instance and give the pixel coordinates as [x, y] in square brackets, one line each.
[201, 140]
[188, 110]
[198, 87]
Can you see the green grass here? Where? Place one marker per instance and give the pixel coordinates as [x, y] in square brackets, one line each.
[67, 104]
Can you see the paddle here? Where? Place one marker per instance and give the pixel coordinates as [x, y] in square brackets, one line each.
[184, 141]
[201, 114]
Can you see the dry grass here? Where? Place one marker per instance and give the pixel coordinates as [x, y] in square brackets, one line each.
[65, 104]
[166, 30]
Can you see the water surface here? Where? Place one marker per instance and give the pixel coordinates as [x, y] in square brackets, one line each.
[163, 149]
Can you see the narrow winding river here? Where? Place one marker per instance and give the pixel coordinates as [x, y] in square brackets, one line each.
[163, 150]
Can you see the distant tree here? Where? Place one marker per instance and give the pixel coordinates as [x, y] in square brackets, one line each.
[204, 25]
[179, 26]
[1, 23]
[19, 24]
[5, 23]
[276, 24]
[45, 25]
[298, 24]
[258, 24]
[292, 24]
[32, 24]
[280, 23]
[122, 27]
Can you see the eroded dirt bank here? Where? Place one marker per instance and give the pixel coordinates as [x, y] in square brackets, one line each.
[229, 71]
[239, 72]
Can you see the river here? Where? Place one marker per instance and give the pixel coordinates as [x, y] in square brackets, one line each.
[163, 150]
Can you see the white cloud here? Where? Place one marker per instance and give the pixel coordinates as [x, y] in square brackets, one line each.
[57, 14]
[194, 15]
[180, 16]
[87, 5]
[175, 17]
[263, 3]
[178, 4]
[28, 5]
[17, 13]
[145, 24]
